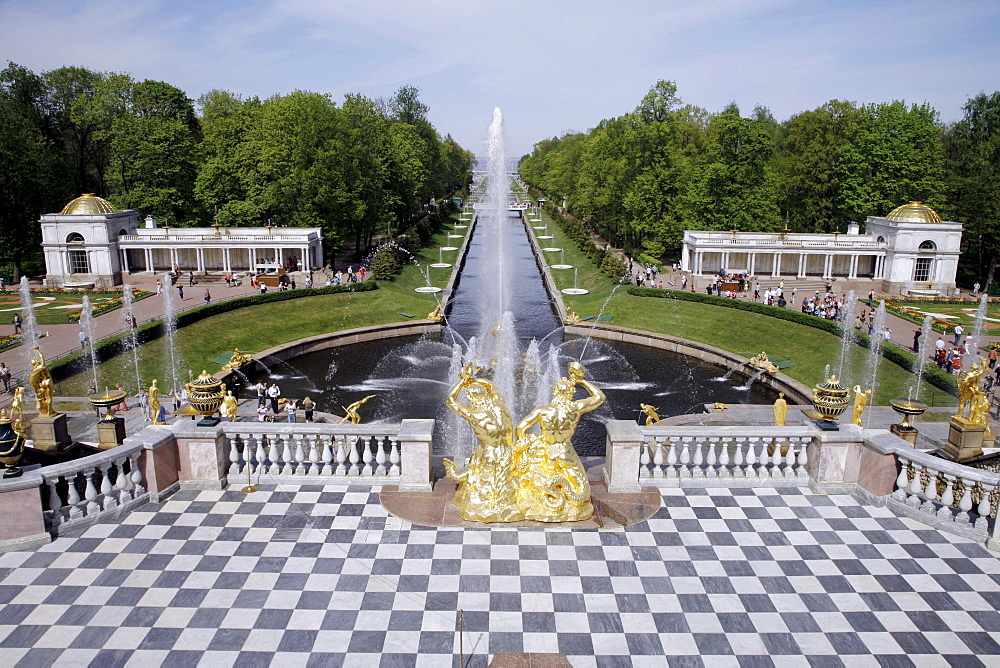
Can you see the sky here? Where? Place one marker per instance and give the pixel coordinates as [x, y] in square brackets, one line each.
[551, 66]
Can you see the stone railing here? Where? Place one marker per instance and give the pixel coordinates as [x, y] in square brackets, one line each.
[872, 464]
[398, 454]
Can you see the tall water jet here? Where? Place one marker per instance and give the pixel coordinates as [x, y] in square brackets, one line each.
[170, 329]
[848, 313]
[87, 339]
[132, 340]
[923, 352]
[29, 325]
[877, 336]
[972, 343]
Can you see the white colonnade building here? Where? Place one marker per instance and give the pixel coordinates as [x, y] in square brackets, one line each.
[910, 251]
[92, 243]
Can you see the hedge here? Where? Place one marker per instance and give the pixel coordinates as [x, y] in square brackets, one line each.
[78, 362]
[932, 373]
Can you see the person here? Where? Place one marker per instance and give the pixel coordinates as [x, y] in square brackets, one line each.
[887, 334]
[159, 287]
[260, 388]
[916, 340]
[208, 297]
[177, 398]
[5, 376]
[958, 334]
[84, 340]
[857, 322]
[229, 280]
[143, 398]
[975, 289]
[191, 279]
[262, 413]
[18, 322]
[263, 288]
[121, 405]
[308, 406]
[992, 357]
[291, 409]
[180, 291]
[273, 394]
[780, 410]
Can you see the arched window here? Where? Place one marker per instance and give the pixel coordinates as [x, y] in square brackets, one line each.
[881, 240]
[928, 245]
[74, 238]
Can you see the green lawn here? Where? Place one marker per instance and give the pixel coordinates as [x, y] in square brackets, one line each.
[964, 314]
[55, 308]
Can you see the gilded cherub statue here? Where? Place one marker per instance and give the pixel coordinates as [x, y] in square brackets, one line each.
[40, 379]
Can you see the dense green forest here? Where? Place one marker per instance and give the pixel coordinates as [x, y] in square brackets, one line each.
[361, 168]
[643, 178]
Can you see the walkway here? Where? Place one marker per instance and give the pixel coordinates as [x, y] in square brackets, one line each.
[307, 576]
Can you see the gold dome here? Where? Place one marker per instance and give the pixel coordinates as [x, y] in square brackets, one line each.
[88, 204]
[914, 212]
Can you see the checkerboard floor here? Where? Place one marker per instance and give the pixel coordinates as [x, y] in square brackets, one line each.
[718, 577]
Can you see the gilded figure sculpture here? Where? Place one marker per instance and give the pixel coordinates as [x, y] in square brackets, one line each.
[436, 315]
[352, 414]
[968, 385]
[652, 417]
[764, 363]
[553, 485]
[229, 406]
[860, 401]
[237, 360]
[780, 410]
[487, 490]
[979, 413]
[572, 317]
[17, 404]
[155, 409]
[40, 379]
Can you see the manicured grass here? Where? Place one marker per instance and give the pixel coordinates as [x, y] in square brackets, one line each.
[256, 328]
[965, 314]
[55, 308]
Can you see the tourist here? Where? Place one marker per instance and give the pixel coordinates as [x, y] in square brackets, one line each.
[308, 406]
[290, 409]
[887, 334]
[121, 405]
[190, 279]
[180, 291]
[17, 323]
[975, 289]
[916, 340]
[5, 376]
[273, 394]
[958, 334]
[260, 388]
[208, 297]
[992, 358]
[262, 413]
[84, 340]
[143, 398]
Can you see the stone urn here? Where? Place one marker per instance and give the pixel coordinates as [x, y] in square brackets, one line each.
[11, 447]
[830, 399]
[205, 394]
[908, 408]
[106, 400]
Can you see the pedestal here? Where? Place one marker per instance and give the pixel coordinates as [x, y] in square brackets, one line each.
[905, 433]
[110, 433]
[50, 433]
[965, 439]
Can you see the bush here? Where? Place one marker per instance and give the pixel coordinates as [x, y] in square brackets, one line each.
[613, 265]
[387, 261]
[932, 374]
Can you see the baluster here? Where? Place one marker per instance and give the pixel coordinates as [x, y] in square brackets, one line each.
[90, 493]
[73, 497]
[366, 458]
[55, 502]
[902, 481]
[274, 468]
[712, 471]
[137, 489]
[930, 492]
[314, 456]
[685, 464]
[644, 460]
[777, 458]
[394, 459]
[657, 458]
[751, 470]
[696, 465]
[299, 467]
[108, 501]
[260, 455]
[916, 486]
[380, 456]
[984, 508]
[803, 458]
[724, 470]
[287, 465]
[965, 505]
[355, 456]
[327, 457]
[123, 483]
[234, 455]
[342, 456]
[790, 460]
[947, 498]
[673, 470]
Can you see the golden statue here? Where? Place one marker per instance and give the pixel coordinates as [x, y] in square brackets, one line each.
[572, 317]
[229, 406]
[487, 488]
[436, 315]
[652, 417]
[17, 404]
[352, 411]
[237, 360]
[155, 409]
[780, 410]
[860, 401]
[764, 363]
[979, 411]
[40, 379]
[719, 406]
[553, 485]
[968, 385]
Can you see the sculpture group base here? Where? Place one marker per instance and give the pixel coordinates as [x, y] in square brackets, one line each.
[438, 509]
[51, 433]
[965, 439]
[905, 433]
[827, 425]
[110, 433]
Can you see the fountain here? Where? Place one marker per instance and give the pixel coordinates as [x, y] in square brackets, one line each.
[173, 360]
[132, 340]
[847, 316]
[441, 264]
[87, 329]
[562, 261]
[29, 325]
[426, 289]
[875, 346]
[972, 342]
[575, 290]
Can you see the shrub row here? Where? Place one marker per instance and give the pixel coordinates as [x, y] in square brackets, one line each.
[608, 262]
[116, 345]
[932, 374]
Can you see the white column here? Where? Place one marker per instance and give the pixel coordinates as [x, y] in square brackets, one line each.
[827, 266]
[199, 254]
[685, 258]
[305, 258]
[725, 262]
[852, 273]
[752, 264]
[175, 258]
[148, 255]
[125, 269]
[279, 261]
[803, 261]
[699, 259]
[776, 265]
[226, 261]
